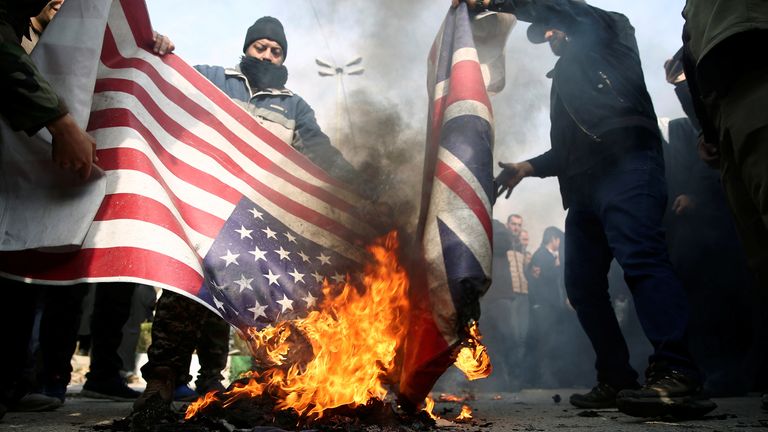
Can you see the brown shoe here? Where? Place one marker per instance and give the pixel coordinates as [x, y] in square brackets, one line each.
[159, 388]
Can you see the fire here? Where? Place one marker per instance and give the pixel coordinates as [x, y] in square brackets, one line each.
[466, 413]
[337, 355]
[447, 397]
[473, 358]
[430, 407]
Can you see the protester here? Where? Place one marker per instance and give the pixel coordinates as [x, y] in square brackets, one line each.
[498, 322]
[606, 152]
[705, 251]
[30, 104]
[546, 310]
[723, 42]
[258, 84]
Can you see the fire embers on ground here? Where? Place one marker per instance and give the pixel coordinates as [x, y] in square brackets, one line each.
[338, 357]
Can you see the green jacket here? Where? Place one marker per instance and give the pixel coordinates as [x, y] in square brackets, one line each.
[723, 40]
[27, 100]
[709, 22]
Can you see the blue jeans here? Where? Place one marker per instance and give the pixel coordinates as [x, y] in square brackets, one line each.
[616, 211]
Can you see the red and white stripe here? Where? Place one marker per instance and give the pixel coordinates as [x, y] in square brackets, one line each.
[179, 155]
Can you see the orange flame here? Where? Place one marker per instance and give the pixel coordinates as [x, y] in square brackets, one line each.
[339, 354]
[466, 413]
[200, 404]
[473, 358]
[430, 407]
[447, 397]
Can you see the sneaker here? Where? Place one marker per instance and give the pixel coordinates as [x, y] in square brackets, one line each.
[601, 396]
[35, 402]
[184, 393]
[159, 392]
[115, 389]
[666, 393]
[56, 390]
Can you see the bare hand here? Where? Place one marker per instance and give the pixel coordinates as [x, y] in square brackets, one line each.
[510, 176]
[709, 153]
[163, 44]
[683, 204]
[73, 149]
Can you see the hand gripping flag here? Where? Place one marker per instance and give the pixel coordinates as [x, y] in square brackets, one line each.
[457, 194]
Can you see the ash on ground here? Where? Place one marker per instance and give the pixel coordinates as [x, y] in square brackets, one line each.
[258, 415]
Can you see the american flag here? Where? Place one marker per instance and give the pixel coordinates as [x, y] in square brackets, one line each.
[455, 221]
[203, 200]
[200, 197]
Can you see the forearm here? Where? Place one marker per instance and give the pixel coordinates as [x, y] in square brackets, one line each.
[566, 15]
[29, 102]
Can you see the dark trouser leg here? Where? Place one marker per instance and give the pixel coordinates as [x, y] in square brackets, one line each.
[587, 260]
[16, 320]
[58, 332]
[745, 178]
[142, 304]
[631, 203]
[111, 308]
[212, 349]
[175, 331]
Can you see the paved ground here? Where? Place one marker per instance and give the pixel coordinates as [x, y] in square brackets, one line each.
[529, 410]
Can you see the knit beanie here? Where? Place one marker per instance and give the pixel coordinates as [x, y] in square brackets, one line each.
[266, 27]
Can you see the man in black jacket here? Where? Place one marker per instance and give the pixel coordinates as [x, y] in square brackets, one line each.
[606, 152]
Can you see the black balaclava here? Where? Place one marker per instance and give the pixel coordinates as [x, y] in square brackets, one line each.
[262, 74]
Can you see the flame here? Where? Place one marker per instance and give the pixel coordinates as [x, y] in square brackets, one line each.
[447, 397]
[200, 404]
[473, 358]
[466, 413]
[430, 406]
[337, 355]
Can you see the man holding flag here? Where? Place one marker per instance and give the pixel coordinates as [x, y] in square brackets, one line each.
[258, 85]
[606, 153]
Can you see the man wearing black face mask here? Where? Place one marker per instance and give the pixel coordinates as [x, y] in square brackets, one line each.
[606, 153]
[182, 325]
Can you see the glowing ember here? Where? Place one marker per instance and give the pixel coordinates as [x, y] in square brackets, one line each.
[430, 405]
[473, 358]
[446, 397]
[337, 355]
[466, 413]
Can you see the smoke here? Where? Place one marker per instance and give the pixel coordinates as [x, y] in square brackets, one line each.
[388, 152]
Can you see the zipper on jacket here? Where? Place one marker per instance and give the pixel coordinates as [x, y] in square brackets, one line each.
[568, 110]
[610, 86]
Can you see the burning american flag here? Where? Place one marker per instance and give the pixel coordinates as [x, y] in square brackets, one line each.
[200, 198]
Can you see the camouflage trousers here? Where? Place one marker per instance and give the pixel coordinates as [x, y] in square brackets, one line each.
[181, 327]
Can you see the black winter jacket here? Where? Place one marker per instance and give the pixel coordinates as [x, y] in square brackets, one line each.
[598, 81]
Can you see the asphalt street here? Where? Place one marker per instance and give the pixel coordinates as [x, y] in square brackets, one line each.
[529, 410]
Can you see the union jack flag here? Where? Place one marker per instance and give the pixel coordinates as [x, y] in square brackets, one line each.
[457, 194]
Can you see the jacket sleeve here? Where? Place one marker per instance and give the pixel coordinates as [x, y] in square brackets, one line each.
[708, 128]
[547, 164]
[315, 144]
[27, 100]
[578, 20]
